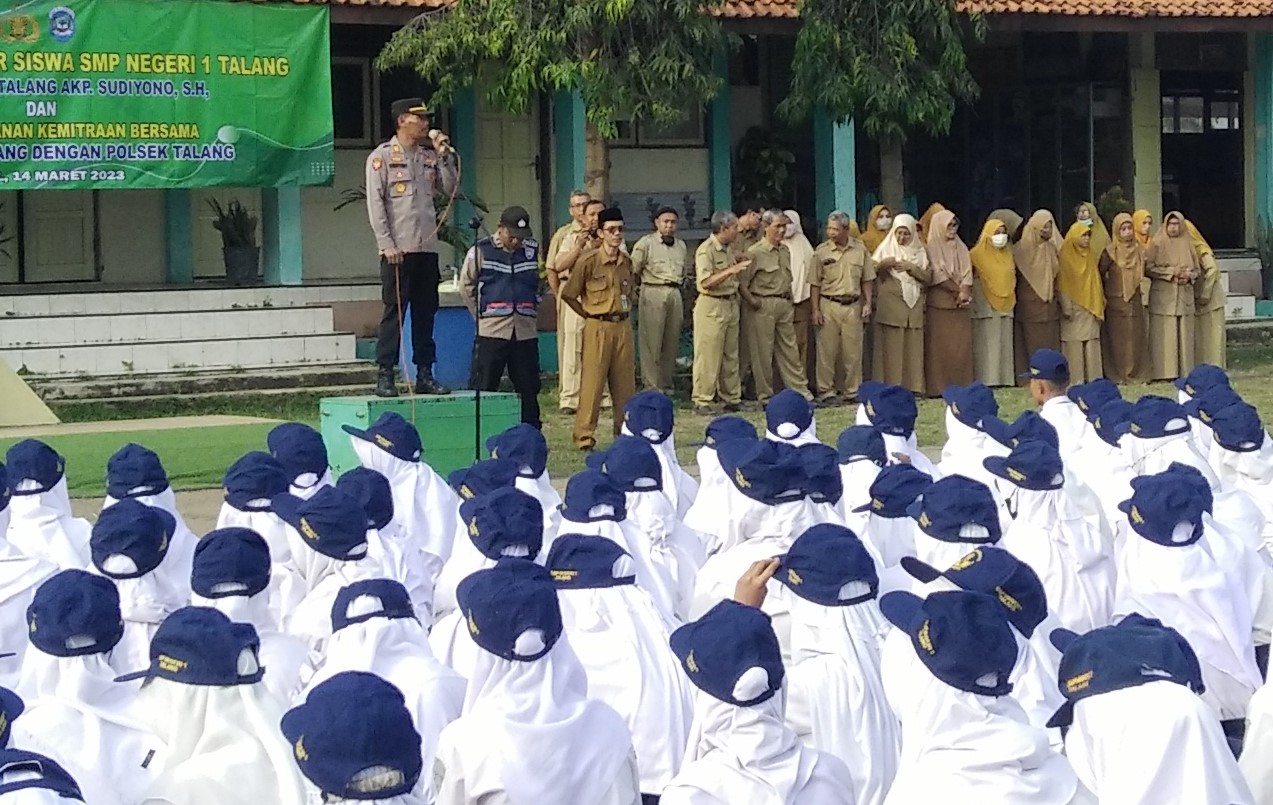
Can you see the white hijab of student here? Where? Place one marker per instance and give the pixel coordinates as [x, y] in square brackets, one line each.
[303, 454]
[1159, 435]
[952, 517]
[20, 576]
[650, 415]
[888, 532]
[704, 514]
[40, 521]
[1242, 455]
[1101, 461]
[789, 418]
[966, 444]
[251, 484]
[27, 778]
[862, 457]
[526, 445]
[893, 410]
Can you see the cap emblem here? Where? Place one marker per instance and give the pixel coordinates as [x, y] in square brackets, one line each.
[299, 748]
[742, 481]
[1076, 683]
[926, 640]
[793, 577]
[473, 625]
[564, 575]
[171, 664]
[382, 441]
[967, 561]
[307, 531]
[1008, 601]
[691, 663]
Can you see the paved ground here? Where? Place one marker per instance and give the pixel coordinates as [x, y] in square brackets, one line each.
[129, 425]
[199, 508]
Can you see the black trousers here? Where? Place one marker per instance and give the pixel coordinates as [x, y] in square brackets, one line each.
[411, 286]
[491, 356]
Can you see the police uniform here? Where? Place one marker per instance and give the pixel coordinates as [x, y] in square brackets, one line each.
[771, 328]
[716, 372]
[659, 269]
[839, 274]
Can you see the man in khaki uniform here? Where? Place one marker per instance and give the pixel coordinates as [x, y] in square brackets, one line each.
[749, 232]
[766, 287]
[600, 290]
[658, 262]
[717, 266]
[842, 285]
[569, 325]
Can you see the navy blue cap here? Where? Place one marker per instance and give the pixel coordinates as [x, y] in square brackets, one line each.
[1030, 465]
[861, 442]
[134, 530]
[1154, 417]
[370, 598]
[788, 414]
[892, 409]
[34, 462]
[484, 476]
[1211, 402]
[50, 775]
[1202, 377]
[230, 562]
[1048, 364]
[73, 614]
[11, 706]
[299, 448]
[135, 471]
[5, 494]
[349, 724]
[731, 654]
[763, 470]
[828, 565]
[580, 562]
[590, 489]
[962, 637]
[524, 444]
[201, 646]
[1193, 478]
[631, 463]
[1113, 420]
[511, 609]
[1161, 502]
[373, 491]
[822, 480]
[998, 574]
[1091, 397]
[1238, 428]
[955, 501]
[504, 519]
[392, 434]
[255, 476]
[726, 428]
[894, 490]
[331, 522]
[1028, 426]
[650, 415]
[971, 404]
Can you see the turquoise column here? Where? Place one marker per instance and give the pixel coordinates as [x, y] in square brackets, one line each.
[720, 142]
[464, 119]
[178, 238]
[1263, 74]
[281, 251]
[835, 165]
[569, 134]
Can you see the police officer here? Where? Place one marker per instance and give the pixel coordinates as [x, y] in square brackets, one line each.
[500, 285]
[766, 288]
[658, 261]
[842, 283]
[569, 326]
[600, 290]
[402, 177]
[717, 265]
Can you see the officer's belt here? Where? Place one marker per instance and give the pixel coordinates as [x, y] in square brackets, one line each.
[842, 300]
[660, 285]
[610, 317]
[774, 295]
[728, 297]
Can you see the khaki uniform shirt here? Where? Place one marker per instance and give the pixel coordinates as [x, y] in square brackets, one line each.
[563, 240]
[400, 187]
[506, 328]
[1166, 298]
[603, 285]
[712, 257]
[747, 239]
[841, 272]
[770, 271]
[657, 263]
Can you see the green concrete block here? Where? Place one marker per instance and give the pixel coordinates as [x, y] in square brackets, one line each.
[446, 425]
[365, 349]
[548, 353]
[1264, 307]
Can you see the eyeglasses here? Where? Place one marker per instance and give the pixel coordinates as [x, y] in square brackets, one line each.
[613, 230]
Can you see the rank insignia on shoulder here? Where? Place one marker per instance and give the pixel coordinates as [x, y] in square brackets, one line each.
[377, 164]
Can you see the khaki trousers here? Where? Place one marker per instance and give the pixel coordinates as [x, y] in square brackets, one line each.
[659, 319]
[840, 348]
[569, 350]
[716, 351]
[607, 361]
[772, 337]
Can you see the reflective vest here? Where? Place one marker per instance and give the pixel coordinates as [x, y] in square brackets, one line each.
[507, 282]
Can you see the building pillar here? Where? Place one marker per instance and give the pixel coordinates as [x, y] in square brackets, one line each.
[1262, 72]
[178, 238]
[720, 142]
[1146, 113]
[835, 166]
[464, 119]
[569, 149]
[281, 248]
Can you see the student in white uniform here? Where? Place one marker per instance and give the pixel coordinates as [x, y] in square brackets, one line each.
[651, 415]
[966, 443]
[823, 486]
[529, 732]
[1101, 461]
[789, 418]
[208, 670]
[860, 450]
[889, 531]
[40, 521]
[1202, 409]
[1159, 435]
[30, 779]
[1049, 379]
[952, 517]
[474, 481]
[11, 706]
[1242, 454]
[893, 410]
[1202, 377]
[526, 445]
[1090, 397]
[704, 514]
[20, 575]
[303, 454]
[354, 740]
[251, 484]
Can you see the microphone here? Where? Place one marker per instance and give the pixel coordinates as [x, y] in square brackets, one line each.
[444, 146]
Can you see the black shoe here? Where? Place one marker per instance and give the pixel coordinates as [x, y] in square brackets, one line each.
[386, 385]
[733, 408]
[425, 384]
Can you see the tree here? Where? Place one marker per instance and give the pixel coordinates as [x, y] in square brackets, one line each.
[630, 60]
[890, 65]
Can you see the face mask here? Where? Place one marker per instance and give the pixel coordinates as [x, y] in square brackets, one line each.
[883, 222]
[1088, 223]
[999, 240]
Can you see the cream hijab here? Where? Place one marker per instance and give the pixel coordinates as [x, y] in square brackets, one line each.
[912, 253]
[948, 256]
[801, 254]
[1037, 259]
[1127, 256]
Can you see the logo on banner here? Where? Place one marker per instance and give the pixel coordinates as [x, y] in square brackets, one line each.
[19, 28]
[62, 24]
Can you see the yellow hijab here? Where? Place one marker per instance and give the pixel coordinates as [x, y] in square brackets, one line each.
[872, 235]
[1127, 256]
[1200, 244]
[995, 269]
[853, 229]
[1100, 235]
[1138, 220]
[926, 220]
[1078, 279]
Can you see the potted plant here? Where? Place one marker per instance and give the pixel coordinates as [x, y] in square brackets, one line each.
[238, 240]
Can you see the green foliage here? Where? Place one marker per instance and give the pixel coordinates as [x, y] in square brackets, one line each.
[236, 225]
[1111, 203]
[762, 169]
[891, 65]
[629, 59]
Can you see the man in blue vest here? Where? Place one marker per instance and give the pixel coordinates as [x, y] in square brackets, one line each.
[500, 286]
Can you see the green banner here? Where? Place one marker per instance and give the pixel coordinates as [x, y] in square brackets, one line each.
[109, 94]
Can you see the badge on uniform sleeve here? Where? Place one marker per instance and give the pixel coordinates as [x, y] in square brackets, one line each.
[399, 187]
[377, 163]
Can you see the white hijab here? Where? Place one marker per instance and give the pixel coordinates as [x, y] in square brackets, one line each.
[266, 523]
[656, 579]
[1070, 422]
[679, 486]
[856, 478]
[890, 538]
[285, 658]
[310, 587]
[1107, 474]
[145, 602]
[307, 484]
[1153, 456]
[179, 560]
[801, 255]
[1251, 473]
[406, 564]
[912, 252]
[41, 526]
[541, 489]
[20, 577]
[703, 515]
[675, 551]
[965, 450]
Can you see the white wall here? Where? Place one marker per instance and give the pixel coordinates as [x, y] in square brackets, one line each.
[657, 170]
[338, 245]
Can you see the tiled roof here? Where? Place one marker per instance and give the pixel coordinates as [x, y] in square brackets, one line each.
[735, 9]
[1122, 8]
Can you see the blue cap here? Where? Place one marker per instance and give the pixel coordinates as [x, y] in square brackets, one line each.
[299, 448]
[822, 480]
[1161, 502]
[580, 562]
[511, 609]
[73, 614]
[11, 706]
[1238, 428]
[1154, 417]
[828, 565]
[331, 522]
[50, 775]
[201, 646]
[524, 444]
[1134, 652]
[894, 490]
[1091, 397]
[588, 490]
[1211, 402]
[35, 463]
[370, 598]
[1202, 377]
[231, 562]
[631, 463]
[392, 434]
[788, 414]
[1048, 364]
[134, 530]
[952, 503]
[1028, 426]
[998, 574]
[373, 492]
[502, 520]
[135, 471]
[892, 409]
[962, 637]
[350, 723]
[650, 415]
[5, 494]
[1113, 420]
[861, 442]
[731, 654]
[1193, 478]
[726, 428]
[484, 476]
[255, 476]
[1030, 465]
[763, 470]
[971, 404]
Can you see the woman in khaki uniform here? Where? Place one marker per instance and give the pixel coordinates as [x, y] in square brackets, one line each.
[1038, 312]
[994, 295]
[926, 220]
[1125, 342]
[1082, 304]
[901, 271]
[878, 223]
[1208, 301]
[947, 319]
[1173, 267]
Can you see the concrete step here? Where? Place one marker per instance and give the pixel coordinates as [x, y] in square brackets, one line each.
[352, 376]
[1240, 272]
[1239, 306]
[20, 332]
[107, 301]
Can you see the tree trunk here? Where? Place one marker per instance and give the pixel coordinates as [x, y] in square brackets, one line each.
[596, 166]
[892, 181]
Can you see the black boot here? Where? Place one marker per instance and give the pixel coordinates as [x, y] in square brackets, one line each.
[386, 385]
[425, 384]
